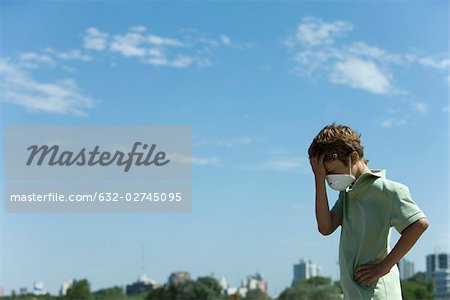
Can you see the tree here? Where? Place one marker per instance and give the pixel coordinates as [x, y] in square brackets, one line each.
[166, 292]
[318, 280]
[339, 286]
[256, 294]
[80, 289]
[204, 288]
[315, 288]
[412, 290]
[417, 287]
[211, 283]
[114, 293]
[420, 278]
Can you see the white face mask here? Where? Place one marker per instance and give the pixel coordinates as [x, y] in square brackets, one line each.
[340, 182]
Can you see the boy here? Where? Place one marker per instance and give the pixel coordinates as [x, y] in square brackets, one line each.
[367, 207]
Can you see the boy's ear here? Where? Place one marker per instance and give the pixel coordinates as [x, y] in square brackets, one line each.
[355, 156]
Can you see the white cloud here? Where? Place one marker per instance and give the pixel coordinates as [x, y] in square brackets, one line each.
[401, 122]
[205, 160]
[281, 159]
[60, 97]
[429, 61]
[317, 50]
[161, 41]
[190, 49]
[387, 123]
[292, 164]
[225, 39]
[361, 74]
[182, 61]
[154, 50]
[315, 32]
[51, 56]
[139, 28]
[157, 61]
[74, 54]
[31, 59]
[420, 107]
[194, 160]
[403, 116]
[129, 44]
[361, 49]
[95, 39]
[69, 69]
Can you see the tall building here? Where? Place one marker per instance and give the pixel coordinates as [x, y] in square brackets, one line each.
[223, 283]
[253, 282]
[23, 291]
[305, 270]
[437, 261]
[406, 269]
[38, 288]
[438, 270]
[143, 284]
[176, 278]
[65, 287]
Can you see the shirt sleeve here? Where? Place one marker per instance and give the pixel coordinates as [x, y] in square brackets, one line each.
[404, 210]
[337, 207]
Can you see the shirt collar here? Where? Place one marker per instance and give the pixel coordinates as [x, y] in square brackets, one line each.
[377, 172]
[381, 173]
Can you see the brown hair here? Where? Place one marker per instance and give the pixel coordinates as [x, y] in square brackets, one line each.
[337, 142]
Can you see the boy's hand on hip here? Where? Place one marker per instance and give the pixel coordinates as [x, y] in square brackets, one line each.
[368, 273]
[318, 167]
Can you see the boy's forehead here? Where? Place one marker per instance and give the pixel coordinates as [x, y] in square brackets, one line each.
[333, 164]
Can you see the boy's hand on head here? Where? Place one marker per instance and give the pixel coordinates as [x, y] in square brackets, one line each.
[317, 167]
[368, 273]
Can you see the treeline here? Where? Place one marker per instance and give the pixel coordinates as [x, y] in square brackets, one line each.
[207, 288]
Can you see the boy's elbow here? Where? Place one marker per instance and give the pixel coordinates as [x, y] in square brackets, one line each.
[324, 231]
[423, 223]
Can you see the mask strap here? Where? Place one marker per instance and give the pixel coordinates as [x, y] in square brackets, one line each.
[350, 164]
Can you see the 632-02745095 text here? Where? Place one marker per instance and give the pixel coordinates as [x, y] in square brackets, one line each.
[100, 197]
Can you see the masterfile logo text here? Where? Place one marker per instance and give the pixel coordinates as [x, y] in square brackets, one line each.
[98, 168]
[90, 158]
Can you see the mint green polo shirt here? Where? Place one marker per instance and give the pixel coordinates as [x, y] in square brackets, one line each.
[368, 209]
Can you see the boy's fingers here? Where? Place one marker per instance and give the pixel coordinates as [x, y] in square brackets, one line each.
[321, 159]
[361, 274]
[362, 267]
[363, 277]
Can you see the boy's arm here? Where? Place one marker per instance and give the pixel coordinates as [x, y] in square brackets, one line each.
[322, 209]
[409, 237]
[410, 222]
[326, 221]
[408, 219]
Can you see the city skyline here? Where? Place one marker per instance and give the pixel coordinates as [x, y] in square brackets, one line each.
[143, 277]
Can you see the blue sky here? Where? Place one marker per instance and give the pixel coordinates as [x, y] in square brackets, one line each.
[256, 81]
